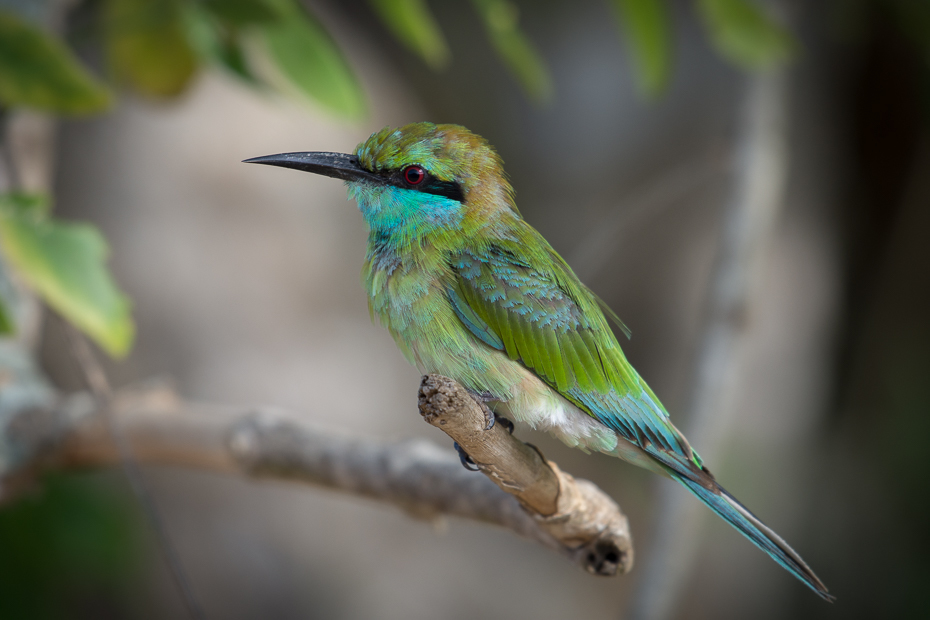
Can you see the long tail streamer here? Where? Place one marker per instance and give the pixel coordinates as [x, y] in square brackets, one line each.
[737, 515]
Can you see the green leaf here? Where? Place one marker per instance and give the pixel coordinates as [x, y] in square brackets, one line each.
[515, 50]
[231, 56]
[36, 206]
[913, 18]
[743, 33]
[216, 43]
[7, 326]
[38, 71]
[306, 55]
[413, 24]
[64, 264]
[147, 46]
[240, 13]
[80, 536]
[645, 25]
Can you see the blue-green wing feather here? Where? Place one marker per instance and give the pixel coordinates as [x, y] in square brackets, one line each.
[543, 317]
[473, 322]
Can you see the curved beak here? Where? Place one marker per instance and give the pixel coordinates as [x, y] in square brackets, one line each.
[336, 165]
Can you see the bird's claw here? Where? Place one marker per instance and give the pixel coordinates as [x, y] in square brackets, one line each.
[490, 416]
[467, 461]
[507, 423]
[492, 419]
[483, 398]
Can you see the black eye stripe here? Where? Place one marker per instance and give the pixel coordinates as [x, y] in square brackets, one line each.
[449, 189]
[429, 185]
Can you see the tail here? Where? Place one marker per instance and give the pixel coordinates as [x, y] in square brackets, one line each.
[737, 515]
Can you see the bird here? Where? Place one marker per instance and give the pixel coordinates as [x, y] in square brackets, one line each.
[469, 290]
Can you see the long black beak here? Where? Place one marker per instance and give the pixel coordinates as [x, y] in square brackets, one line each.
[336, 165]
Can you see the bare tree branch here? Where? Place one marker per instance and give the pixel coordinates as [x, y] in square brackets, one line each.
[577, 519]
[587, 523]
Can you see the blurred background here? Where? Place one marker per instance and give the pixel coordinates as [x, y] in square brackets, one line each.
[244, 284]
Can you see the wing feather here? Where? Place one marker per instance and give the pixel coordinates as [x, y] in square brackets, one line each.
[540, 314]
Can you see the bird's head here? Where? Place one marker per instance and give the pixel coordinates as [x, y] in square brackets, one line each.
[416, 180]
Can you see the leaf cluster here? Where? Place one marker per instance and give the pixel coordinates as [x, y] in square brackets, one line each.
[64, 264]
[156, 47]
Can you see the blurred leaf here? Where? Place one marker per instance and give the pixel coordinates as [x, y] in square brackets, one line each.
[74, 537]
[21, 205]
[231, 56]
[216, 43]
[310, 60]
[38, 71]
[849, 20]
[242, 13]
[7, 326]
[413, 24]
[645, 25]
[25, 205]
[64, 264]
[913, 17]
[744, 34]
[147, 46]
[500, 20]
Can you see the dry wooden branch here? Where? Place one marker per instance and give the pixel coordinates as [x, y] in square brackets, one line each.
[419, 477]
[579, 515]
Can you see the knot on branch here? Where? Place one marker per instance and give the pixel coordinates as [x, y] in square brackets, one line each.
[590, 523]
[587, 524]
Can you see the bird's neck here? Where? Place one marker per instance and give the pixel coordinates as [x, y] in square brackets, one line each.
[422, 230]
[405, 220]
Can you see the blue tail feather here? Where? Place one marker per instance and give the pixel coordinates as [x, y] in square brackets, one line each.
[737, 515]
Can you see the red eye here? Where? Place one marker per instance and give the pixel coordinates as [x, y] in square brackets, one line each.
[414, 175]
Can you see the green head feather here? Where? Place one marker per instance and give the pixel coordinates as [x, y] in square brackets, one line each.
[461, 164]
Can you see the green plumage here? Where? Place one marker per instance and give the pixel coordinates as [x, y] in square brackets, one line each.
[471, 291]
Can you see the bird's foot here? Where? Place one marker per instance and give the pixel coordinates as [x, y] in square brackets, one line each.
[467, 461]
[483, 398]
[507, 423]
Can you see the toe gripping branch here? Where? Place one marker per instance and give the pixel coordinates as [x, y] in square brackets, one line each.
[482, 399]
[467, 462]
[572, 516]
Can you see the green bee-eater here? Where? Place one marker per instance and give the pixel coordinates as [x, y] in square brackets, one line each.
[469, 290]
